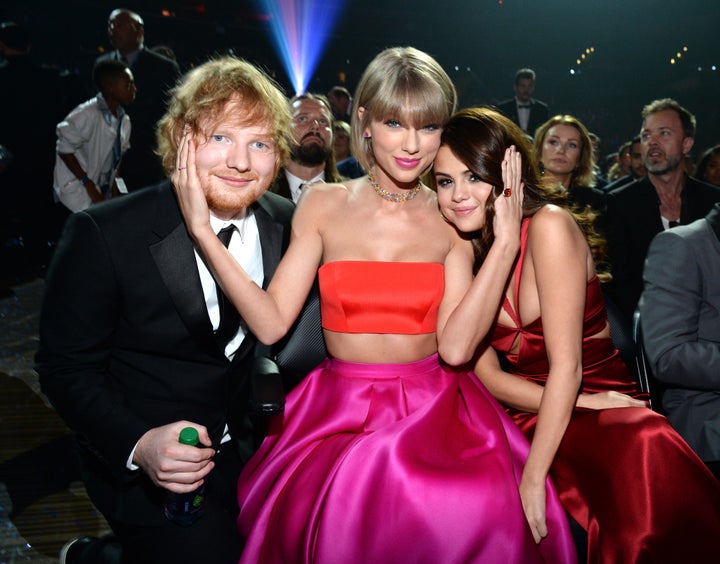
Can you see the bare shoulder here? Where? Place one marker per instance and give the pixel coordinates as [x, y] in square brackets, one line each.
[553, 221]
[323, 190]
[320, 197]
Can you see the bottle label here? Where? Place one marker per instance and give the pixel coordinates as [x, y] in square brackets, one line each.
[185, 509]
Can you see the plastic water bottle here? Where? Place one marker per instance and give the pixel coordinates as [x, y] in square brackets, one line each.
[185, 509]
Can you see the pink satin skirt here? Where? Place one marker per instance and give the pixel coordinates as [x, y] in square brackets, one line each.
[388, 463]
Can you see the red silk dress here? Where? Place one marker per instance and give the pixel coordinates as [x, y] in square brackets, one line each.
[391, 463]
[624, 474]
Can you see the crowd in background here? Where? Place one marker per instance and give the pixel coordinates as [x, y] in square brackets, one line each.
[66, 152]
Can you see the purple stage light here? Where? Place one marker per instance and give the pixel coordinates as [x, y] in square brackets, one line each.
[300, 29]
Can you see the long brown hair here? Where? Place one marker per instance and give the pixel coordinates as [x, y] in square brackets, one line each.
[478, 137]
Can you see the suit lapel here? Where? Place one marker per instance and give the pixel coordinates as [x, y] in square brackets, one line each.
[174, 256]
[271, 240]
[693, 202]
[280, 185]
[175, 259]
[646, 210]
[713, 219]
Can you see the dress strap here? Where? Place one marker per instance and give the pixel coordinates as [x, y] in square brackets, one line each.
[515, 315]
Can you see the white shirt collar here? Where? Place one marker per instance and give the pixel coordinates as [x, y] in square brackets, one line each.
[217, 224]
[294, 183]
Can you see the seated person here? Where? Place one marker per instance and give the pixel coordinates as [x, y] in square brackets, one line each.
[622, 472]
[680, 312]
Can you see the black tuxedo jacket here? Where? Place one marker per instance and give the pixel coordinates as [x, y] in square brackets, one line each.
[538, 113]
[280, 185]
[126, 343]
[154, 76]
[631, 221]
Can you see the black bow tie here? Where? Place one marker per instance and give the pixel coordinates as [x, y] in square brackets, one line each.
[524, 105]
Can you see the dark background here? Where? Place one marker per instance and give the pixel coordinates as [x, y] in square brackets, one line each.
[481, 43]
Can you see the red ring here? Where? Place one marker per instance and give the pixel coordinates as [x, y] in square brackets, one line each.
[507, 192]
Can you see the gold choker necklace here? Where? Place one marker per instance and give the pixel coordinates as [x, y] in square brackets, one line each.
[393, 196]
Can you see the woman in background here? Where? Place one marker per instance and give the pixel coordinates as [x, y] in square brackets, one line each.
[563, 152]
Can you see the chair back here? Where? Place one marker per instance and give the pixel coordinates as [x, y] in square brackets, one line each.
[648, 382]
[304, 347]
[622, 334]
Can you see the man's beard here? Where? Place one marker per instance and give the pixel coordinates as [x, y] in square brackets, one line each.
[658, 169]
[311, 154]
[227, 200]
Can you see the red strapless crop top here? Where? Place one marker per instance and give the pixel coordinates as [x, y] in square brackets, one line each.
[381, 297]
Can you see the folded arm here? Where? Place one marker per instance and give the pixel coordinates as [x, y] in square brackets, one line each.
[672, 308]
[469, 322]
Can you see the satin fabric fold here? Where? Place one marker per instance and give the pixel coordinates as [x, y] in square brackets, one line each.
[625, 475]
[388, 463]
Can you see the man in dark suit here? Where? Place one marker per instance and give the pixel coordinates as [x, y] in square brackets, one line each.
[311, 156]
[154, 76]
[666, 197]
[523, 109]
[131, 331]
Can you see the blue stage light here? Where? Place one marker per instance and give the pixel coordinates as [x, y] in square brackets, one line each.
[300, 30]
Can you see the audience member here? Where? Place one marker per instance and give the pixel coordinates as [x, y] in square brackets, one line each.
[680, 316]
[154, 76]
[613, 467]
[563, 152]
[526, 111]
[621, 166]
[340, 103]
[392, 273]
[708, 167]
[311, 154]
[666, 197]
[347, 165]
[31, 104]
[134, 342]
[93, 138]
[637, 166]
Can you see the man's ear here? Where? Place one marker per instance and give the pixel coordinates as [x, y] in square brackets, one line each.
[688, 143]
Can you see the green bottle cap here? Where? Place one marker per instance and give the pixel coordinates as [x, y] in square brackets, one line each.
[189, 436]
